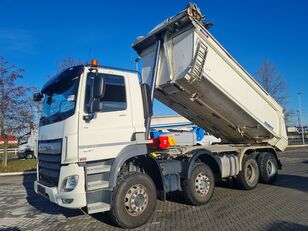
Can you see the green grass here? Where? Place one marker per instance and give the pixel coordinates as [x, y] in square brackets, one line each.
[19, 165]
[10, 155]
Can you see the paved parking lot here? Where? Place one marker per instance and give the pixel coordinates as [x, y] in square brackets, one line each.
[283, 206]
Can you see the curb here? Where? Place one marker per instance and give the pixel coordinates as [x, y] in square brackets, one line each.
[297, 145]
[17, 173]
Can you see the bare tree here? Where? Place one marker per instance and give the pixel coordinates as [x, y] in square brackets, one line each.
[14, 110]
[275, 85]
[273, 82]
[68, 62]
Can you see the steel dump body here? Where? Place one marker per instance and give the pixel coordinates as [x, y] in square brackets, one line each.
[200, 80]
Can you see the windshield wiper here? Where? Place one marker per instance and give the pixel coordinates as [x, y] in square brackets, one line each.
[57, 117]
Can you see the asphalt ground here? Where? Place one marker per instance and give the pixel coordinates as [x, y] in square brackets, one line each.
[282, 206]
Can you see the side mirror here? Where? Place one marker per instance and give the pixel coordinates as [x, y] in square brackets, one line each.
[98, 88]
[98, 94]
[37, 97]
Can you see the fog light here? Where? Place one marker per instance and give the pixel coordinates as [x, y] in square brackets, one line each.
[67, 201]
[69, 183]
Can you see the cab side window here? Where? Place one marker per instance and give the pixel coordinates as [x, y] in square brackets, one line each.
[115, 95]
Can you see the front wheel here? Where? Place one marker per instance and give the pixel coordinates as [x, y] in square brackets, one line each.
[134, 200]
[29, 155]
[199, 188]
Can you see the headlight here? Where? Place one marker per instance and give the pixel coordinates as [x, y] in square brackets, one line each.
[69, 183]
[53, 147]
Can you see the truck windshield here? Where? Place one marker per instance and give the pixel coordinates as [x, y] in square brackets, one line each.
[23, 139]
[59, 100]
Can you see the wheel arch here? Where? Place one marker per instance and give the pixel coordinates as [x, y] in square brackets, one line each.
[150, 166]
[138, 154]
[206, 157]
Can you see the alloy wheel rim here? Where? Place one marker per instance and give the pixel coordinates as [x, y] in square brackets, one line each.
[202, 184]
[250, 173]
[136, 200]
[271, 169]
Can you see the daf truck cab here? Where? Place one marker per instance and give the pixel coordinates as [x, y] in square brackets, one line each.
[88, 114]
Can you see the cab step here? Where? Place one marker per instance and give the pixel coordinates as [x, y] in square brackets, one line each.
[98, 207]
[98, 169]
[99, 184]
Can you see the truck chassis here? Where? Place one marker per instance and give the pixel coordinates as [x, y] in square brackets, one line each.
[136, 177]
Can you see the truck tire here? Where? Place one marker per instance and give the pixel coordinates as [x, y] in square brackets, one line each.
[268, 168]
[133, 200]
[249, 176]
[199, 188]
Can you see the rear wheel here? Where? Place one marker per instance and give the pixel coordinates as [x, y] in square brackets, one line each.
[268, 168]
[134, 200]
[249, 176]
[199, 188]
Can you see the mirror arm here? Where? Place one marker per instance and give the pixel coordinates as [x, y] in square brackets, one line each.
[37, 97]
[88, 117]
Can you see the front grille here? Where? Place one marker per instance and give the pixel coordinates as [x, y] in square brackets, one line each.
[49, 169]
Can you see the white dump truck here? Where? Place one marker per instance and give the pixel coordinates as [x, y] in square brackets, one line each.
[93, 146]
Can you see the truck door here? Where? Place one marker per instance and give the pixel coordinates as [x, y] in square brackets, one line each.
[111, 129]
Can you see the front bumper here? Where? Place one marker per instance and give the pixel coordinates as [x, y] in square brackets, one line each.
[75, 199]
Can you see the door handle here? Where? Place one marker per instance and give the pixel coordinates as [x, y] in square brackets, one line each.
[121, 115]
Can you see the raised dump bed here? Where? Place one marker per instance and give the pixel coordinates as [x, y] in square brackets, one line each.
[201, 81]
